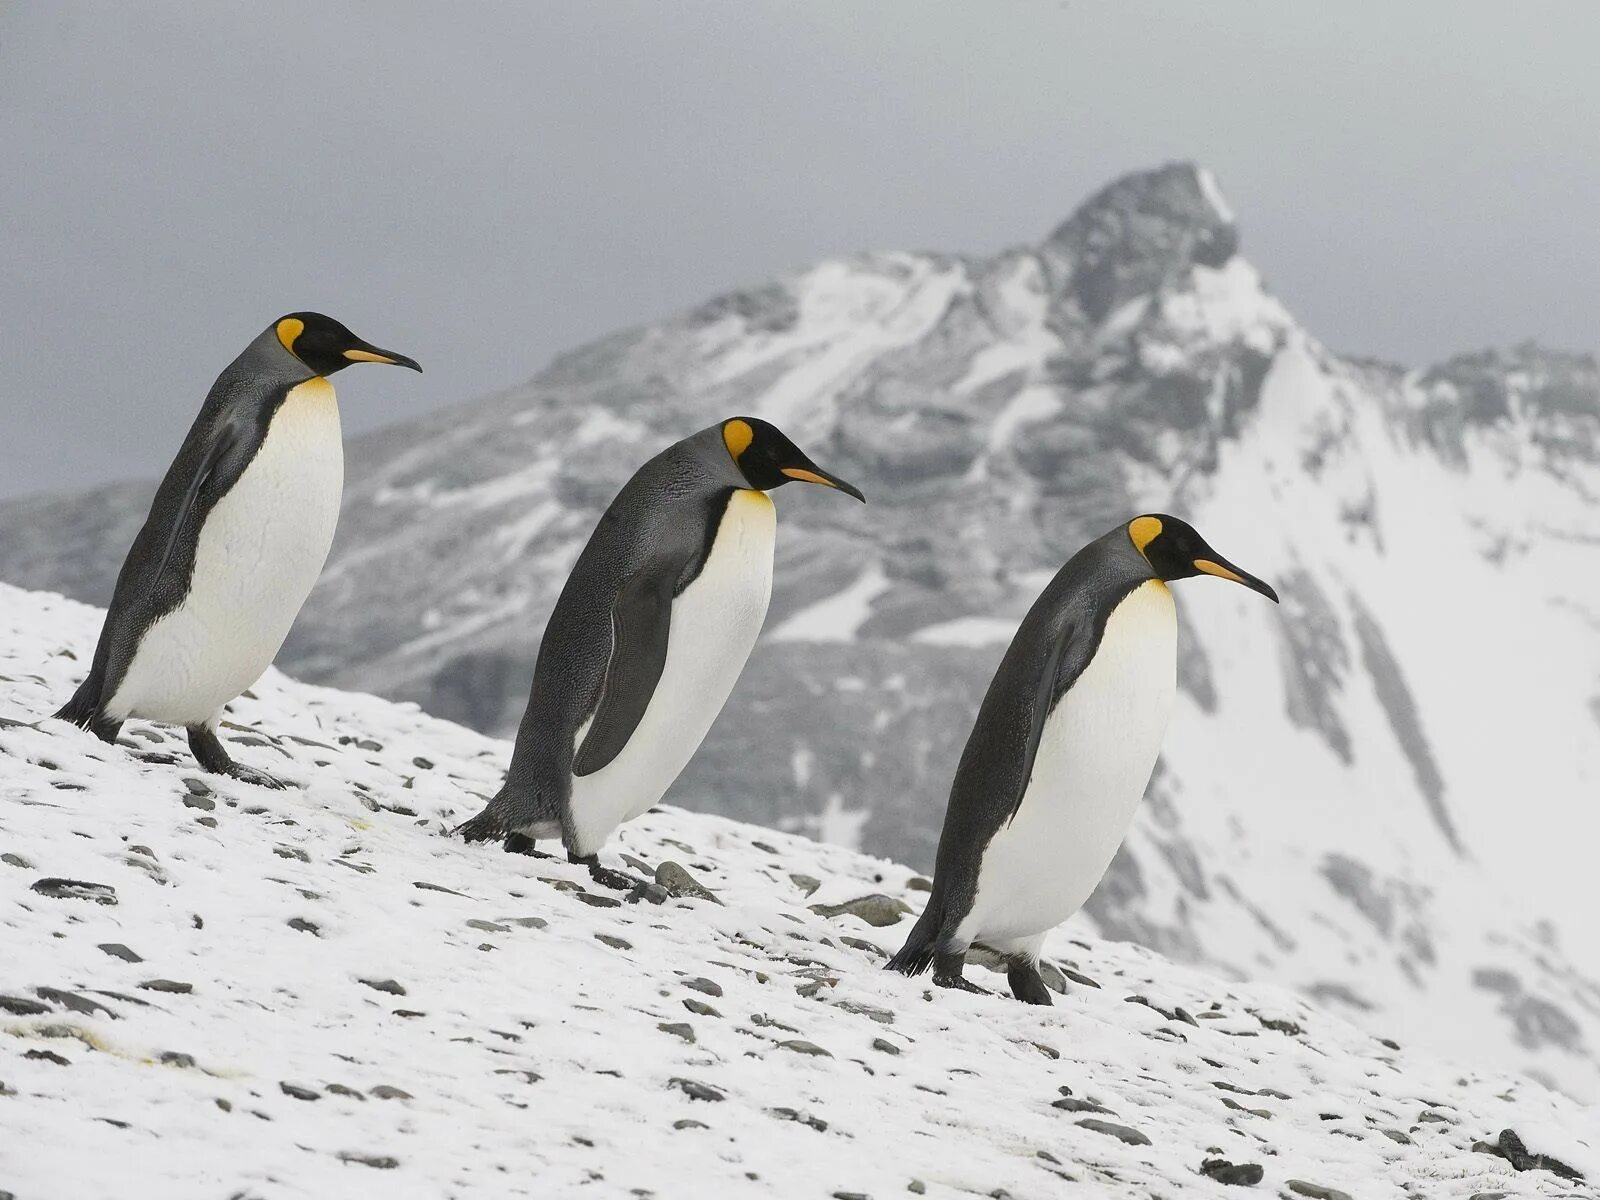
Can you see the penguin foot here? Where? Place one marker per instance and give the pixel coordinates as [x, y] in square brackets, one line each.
[619, 881]
[209, 753]
[958, 983]
[1027, 984]
[254, 775]
[521, 843]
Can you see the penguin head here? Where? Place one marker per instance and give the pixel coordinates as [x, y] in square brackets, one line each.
[768, 459]
[325, 346]
[1175, 550]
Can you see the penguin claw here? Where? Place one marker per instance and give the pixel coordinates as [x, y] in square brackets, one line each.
[959, 984]
[256, 776]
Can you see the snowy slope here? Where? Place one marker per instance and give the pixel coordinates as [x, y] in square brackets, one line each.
[314, 993]
[1380, 794]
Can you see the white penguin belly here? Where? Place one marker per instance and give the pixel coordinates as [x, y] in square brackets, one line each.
[260, 549]
[714, 626]
[1096, 754]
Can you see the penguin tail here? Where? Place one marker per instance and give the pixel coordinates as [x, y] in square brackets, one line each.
[84, 711]
[916, 956]
[485, 827]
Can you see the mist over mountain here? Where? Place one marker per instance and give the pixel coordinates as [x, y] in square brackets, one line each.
[1381, 793]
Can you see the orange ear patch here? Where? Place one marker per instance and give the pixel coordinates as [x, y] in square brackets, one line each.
[288, 329]
[737, 436]
[1143, 531]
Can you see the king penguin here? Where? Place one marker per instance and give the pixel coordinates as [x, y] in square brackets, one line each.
[647, 639]
[236, 536]
[1064, 744]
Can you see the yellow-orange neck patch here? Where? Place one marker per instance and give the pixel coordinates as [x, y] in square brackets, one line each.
[1143, 531]
[288, 329]
[737, 436]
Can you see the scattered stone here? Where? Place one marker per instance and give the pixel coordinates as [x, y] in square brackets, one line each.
[1073, 1104]
[16, 860]
[1510, 1147]
[298, 1092]
[917, 1187]
[1389, 1042]
[208, 822]
[800, 1046]
[72, 1001]
[293, 852]
[680, 1029]
[806, 883]
[304, 926]
[885, 1046]
[700, 1009]
[789, 1114]
[681, 885]
[764, 846]
[695, 1090]
[851, 1196]
[707, 986]
[761, 1020]
[75, 889]
[594, 901]
[487, 926]
[172, 986]
[385, 985]
[651, 893]
[1316, 1191]
[1394, 1135]
[919, 883]
[526, 922]
[203, 803]
[118, 950]
[689, 1123]
[339, 1089]
[434, 887]
[615, 942]
[21, 1006]
[48, 1056]
[1278, 1025]
[881, 1015]
[1122, 1133]
[384, 1092]
[1223, 1171]
[876, 910]
[381, 1162]
[1047, 1051]
[862, 944]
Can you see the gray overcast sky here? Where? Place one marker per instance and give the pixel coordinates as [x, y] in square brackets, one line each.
[482, 185]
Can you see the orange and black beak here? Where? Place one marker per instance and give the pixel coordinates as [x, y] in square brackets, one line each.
[1223, 569]
[366, 352]
[809, 472]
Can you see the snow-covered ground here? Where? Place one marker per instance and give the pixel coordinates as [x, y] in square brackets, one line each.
[316, 993]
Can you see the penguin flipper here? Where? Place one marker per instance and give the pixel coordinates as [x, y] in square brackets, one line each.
[1070, 653]
[641, 619]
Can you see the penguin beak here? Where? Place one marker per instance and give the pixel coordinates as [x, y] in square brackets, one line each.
[1223, 569]
[366, 352]
[811, 473]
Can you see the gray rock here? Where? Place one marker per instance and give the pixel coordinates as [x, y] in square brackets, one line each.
[171, 986]
[16, 860]
[806, 883]
[705, 986]
[681, 885]
[789, 1114]
[175, 1058]
[800, 1046]
[1122, 1133]
[302, 925]
[700, 1008]
[885, 1046]
[594, 901]
[76, 889]
[681, 1029]
[1316, 1191]
[21, 1006]
[694, 1089]
[72, 1001]
[1223, 1171]
[689, 1123]
[385, 985]
[384, 1092]
[380, 1162]
[203, 803]
[1073, 1104]
[298, 1092]
[876, 910]
[118, 950]
[613, 941]
[881, 1015]
[488, 926]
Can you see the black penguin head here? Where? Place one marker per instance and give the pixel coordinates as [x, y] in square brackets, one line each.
[1175, 550]
[767, 459]
[326, 346]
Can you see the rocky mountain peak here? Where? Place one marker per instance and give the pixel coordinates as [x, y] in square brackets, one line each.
[1138, 234]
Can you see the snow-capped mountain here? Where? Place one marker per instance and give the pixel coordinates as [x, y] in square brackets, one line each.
[1381, 794]
[210, 989]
